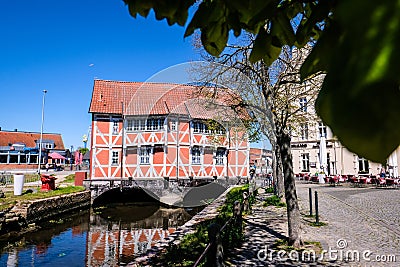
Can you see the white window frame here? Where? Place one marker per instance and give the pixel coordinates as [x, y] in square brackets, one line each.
[196, 155]
[115, 127]
[144, 154]
[174, 125]
[114, 157]
[363, 165]
[220, 156]
[303, 104]
[47, 145]
[304, 131]
[305, 162]
[129, 125]
[322, 129]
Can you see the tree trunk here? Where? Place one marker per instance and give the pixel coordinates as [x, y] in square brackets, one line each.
[293, 211]
[277, 172]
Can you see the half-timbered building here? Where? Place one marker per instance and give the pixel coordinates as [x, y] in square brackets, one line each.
[162, 130]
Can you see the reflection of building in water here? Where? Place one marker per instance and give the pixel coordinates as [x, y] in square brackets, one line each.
[108, 248]
[111, 241]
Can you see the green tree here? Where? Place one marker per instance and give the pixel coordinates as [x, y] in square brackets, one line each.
[83, 150]
[272, 95]
[354, 43]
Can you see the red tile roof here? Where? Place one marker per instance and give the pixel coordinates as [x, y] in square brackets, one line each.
[141, 98]
[29, 138]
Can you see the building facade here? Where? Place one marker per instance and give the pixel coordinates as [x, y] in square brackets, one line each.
[335, 158]
[20, 150]
[160, 130]
[262, 160]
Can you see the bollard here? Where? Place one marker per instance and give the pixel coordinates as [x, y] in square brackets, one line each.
[245, 201]
[310, 198]
[316, 208]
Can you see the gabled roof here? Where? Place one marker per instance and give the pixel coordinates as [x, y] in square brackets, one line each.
[139, 98]
[29, 139]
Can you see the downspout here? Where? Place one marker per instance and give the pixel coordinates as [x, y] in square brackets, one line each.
[190, 136]
[123, 140]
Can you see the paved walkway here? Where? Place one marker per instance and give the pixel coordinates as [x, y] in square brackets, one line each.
[362, 229]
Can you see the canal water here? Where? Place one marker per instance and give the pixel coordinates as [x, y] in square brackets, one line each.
[106, 236]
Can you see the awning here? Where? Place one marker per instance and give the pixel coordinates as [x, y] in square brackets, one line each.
[55, 155]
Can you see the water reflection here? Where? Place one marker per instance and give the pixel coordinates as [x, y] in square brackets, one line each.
[110, 236]
[123, 232]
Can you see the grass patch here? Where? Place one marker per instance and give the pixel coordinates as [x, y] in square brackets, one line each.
[269, 190]
[11, 200]
[273, 201]
[70, 178]
[319, 224]
[282, 244]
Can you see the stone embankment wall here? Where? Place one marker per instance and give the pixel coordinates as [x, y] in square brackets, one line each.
[34, 211]
[208, 213]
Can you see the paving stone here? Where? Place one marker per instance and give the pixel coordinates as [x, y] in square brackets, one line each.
[358, 220]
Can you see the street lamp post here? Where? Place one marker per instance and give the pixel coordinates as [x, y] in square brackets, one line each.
[41, 132]
[70, 161]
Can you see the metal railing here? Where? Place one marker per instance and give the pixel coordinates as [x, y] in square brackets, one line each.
[7, 178]
[214, 249]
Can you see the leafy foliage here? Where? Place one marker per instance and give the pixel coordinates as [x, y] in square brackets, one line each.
[83, 150]
[274, 201]
[355, 43]
[192, 245]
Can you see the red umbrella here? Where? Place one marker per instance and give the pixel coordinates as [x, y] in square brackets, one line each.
[55, 155]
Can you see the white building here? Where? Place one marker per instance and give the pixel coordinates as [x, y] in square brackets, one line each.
[307, 158]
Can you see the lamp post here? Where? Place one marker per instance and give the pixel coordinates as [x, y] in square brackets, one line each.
[41, 132]
[70, 161]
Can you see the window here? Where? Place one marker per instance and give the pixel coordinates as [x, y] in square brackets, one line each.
[115, 158]
[197, 127]
[196, 155]
[219, 156]
[303, 104]
[154, 124]
[129, 125]
[201, 127]
[144, 154]
[322, 129]
[305, 162]
[151, 124]
[304, 131]
[115, 128]
[174, 125]
[47, 145]
[363, 165]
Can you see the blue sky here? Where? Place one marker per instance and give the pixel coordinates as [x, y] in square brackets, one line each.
[62, 46]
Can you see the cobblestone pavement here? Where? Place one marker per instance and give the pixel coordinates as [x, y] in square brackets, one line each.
[365, 220]
[360, 222]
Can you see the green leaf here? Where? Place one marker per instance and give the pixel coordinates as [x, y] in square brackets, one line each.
[263, 48]
[282, 29]
[214, 38]
[360, 96]
[366, 123]
[320, 57]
